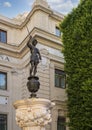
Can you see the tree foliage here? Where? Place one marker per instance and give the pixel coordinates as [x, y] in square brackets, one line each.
[77, 40]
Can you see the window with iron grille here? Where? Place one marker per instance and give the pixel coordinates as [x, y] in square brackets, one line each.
[3, 36]
[60, 77]
[3, 80]
[3, 122]
[61, 123]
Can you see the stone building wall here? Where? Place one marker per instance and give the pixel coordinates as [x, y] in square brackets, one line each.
[15, 57]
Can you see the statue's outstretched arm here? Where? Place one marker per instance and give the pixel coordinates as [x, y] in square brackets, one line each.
[29, 42]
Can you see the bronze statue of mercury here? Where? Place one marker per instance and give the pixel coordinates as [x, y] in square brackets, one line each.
[35, 55]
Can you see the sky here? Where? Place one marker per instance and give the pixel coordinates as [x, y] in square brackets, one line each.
[11, 8]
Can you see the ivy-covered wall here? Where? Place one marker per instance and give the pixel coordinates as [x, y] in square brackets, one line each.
[77, 40]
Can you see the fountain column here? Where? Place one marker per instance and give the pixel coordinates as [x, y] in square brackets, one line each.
[33, 113]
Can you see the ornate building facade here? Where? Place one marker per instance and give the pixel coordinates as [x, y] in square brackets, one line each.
[43, 24]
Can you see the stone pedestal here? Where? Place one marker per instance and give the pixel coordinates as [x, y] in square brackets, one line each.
[33, 113]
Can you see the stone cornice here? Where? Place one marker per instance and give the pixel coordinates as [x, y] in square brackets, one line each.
[43, 37]
[20, 25]
[9, 22]
[60, 103]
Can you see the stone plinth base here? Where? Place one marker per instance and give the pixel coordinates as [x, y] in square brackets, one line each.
[34, 128]
[33, 113]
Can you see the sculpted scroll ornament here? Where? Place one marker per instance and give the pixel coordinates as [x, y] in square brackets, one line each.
[36, 116]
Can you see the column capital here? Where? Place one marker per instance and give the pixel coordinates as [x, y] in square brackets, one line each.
[33, 112]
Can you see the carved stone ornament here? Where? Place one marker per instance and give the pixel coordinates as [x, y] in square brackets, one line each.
[33, 112]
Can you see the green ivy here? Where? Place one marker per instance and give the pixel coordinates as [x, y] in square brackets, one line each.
[77, 40]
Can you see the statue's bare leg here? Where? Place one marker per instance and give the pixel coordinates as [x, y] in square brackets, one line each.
[35, 68]
[32, 67]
